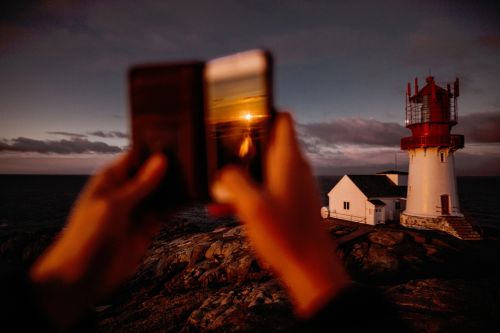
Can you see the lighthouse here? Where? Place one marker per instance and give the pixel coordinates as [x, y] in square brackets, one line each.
[432, 197]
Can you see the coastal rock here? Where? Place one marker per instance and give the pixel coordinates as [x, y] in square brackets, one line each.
[210, 281]
[379, 259]
[205, 277]
[20, 248]
[243, 308]
[393, 255]
[213, 278]
[440, 305]
[386, 238]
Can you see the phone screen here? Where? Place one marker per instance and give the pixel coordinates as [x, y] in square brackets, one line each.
[239, 109]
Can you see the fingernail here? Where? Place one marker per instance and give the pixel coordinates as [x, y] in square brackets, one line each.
[220, 193]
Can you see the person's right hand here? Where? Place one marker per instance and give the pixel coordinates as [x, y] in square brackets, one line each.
[282, 219]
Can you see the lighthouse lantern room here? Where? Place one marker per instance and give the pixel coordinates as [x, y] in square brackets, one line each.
[432, 198]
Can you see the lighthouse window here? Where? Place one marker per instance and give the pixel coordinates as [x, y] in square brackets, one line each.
[442, 157]
[346, 205]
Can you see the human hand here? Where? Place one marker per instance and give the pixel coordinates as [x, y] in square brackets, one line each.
[102, 243]
[282, 220]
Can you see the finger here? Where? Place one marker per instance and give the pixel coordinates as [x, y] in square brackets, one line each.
[144, 182]
[235, 188]
[285, 134]
[284, 151]
[106, 178]
[119, 167]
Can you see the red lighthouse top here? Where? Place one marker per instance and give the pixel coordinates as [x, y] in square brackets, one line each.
[431, 112]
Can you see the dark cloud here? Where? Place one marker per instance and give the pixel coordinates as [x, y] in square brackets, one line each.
[72, 146]
[477, 127]
[69, 134]
[361, 131]
[109, 134]
[480, 127]
[361, 145]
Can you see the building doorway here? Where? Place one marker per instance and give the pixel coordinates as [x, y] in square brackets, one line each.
[445, 204]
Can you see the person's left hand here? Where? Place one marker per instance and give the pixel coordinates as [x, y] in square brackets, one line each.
[102, 243]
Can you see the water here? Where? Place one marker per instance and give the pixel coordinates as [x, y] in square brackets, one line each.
[41, 200]
[37, 200]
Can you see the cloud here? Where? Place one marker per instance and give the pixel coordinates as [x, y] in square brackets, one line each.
[362, 131]
[72, 146]
[479, 127]
[54, 164]
[109, 134]
[362, 145]
[69, 134]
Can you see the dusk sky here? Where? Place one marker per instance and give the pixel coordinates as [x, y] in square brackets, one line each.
[341, 69]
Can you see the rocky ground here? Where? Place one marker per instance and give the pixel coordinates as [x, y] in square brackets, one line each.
[201, 275]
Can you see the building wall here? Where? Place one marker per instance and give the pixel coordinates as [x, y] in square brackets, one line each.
[372, 216]
[391, 213]
[429, 178]
[370, 213]
[346, 191]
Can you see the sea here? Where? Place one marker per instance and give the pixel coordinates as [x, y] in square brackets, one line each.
[27, 201]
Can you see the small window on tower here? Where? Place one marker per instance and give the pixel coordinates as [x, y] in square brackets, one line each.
[346, 205]
[442, 157]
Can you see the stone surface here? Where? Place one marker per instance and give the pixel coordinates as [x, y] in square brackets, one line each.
[201, 276]
[386, 238]
[210, 281]
[441, 305]
[207, 281]
[457, 226]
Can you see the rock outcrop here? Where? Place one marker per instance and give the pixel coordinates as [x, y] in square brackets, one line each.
[211, 281]
[201, 275]
[208, 281]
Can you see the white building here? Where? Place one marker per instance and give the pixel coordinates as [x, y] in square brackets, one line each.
[370, 199]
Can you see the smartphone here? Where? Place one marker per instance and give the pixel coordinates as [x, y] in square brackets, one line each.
[239, 111]
[168, 116]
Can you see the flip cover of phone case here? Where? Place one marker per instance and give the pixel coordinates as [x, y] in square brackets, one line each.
[167, 106]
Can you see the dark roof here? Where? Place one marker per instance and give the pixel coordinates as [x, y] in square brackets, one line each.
[377, 202]
[377, 186]
[392, 172]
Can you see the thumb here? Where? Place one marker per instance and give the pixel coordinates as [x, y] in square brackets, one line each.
[145, 181]
[234, 187]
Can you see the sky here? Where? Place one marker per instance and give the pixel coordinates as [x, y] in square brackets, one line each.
[341, 69]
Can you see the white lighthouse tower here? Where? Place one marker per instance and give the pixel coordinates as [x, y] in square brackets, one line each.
[432, 197]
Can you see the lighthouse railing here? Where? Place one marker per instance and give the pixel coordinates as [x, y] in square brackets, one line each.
[455, 141]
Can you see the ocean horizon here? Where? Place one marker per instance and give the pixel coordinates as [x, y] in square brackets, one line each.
[45, 200]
